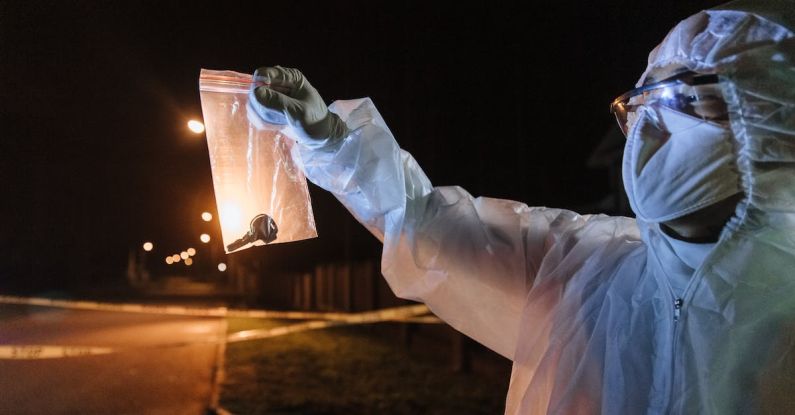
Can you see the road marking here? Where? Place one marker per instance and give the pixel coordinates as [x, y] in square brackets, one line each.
[33, 352]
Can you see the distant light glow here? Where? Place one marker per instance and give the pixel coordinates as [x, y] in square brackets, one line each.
[191, 251]
[148, 246]
[169, 260]
[207, 216]
[188, 261]
[205, 238]
[184, 255]
[175, 258]
[196, 126]
[222, 267]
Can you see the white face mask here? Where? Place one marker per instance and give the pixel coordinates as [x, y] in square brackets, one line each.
[668, 175]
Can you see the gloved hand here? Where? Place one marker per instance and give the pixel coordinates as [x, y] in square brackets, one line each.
[284, 96]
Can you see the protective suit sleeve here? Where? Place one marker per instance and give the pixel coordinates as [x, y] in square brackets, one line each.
[471, 260]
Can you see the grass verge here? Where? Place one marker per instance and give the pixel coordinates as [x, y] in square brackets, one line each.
[352, 370]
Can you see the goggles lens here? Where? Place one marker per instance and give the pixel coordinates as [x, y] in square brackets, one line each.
[698, 96]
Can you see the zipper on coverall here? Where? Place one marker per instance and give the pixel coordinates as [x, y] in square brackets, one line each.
[678, 303]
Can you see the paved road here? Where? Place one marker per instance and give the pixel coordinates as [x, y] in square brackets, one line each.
[163, 364]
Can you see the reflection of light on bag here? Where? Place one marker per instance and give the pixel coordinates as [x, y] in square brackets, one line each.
[253, 169]
[231, 218]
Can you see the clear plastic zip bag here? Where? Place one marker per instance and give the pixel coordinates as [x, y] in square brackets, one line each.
[262, 195]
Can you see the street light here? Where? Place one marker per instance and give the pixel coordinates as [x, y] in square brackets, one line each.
[148, 246]
[222, 267]
[169, 260]
[191, 251]
[204, 238]
[207, 216]
[196, 126]
[188, 261]
[184, 255]
[175, 258]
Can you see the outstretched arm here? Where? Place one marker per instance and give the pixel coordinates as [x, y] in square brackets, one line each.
[471, 260]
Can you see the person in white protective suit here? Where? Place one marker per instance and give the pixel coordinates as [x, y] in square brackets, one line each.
[687, 309]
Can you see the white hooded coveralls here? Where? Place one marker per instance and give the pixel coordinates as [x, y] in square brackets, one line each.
[583, 305]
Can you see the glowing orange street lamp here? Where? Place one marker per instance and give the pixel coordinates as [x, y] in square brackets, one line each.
[191, 251]
[204, 238]
[169, 260]
[188, 261]
[207, 216]
[196, 126]
[148, 246]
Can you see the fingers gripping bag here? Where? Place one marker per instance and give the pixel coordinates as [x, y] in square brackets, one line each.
[262, 195]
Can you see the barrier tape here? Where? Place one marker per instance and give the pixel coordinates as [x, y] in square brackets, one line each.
[417, 310]
[408, 313]
[411, 314]
[257, 334]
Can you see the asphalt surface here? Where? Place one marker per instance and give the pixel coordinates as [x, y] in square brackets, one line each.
[159, 364]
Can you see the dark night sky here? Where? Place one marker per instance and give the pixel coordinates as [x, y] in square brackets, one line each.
[506, 101]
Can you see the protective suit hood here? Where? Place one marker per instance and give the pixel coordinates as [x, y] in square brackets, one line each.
[712, 41]
[726, 41]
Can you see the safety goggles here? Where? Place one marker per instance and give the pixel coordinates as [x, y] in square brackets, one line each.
[689, 93]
